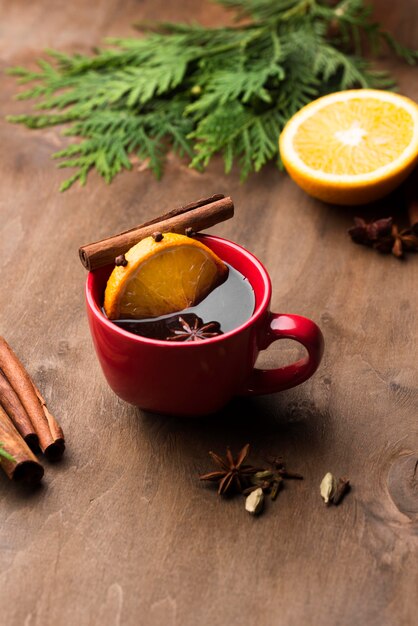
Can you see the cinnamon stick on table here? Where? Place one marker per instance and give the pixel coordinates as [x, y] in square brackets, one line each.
[197, 216]
[54, 427]
[10, 402]
[50, 435]
[25, 467]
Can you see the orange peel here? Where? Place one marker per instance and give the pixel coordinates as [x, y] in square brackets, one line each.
[162, 277]
[352, 147]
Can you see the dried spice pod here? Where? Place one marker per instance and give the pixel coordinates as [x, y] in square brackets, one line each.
[261, 476]
[232, 474]
[385, 236]
[121, 261]
[277, 485]
[342, 488]
[333, 490]
[252, 482]
[254, 503]
[195, 330]
[280, 468]
[328, 487]
[368, 233]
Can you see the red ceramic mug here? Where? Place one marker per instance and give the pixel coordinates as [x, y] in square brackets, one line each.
[198, 378]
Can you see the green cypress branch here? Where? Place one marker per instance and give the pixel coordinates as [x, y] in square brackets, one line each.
[202, 91]
[4, 454]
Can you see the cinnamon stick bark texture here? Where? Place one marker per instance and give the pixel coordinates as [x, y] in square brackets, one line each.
[54, 427]
[10, 402]
[51, 441]
[25, 467]
[197, 215]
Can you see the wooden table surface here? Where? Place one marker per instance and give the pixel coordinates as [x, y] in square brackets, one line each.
[122, 532]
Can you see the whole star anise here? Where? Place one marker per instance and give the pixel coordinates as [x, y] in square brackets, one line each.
[368, 233]
[232, 475]
[399, 242]
[384, 236]
[196, 330]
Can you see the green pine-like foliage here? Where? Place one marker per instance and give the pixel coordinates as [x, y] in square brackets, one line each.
[4, 454]
[201, 91]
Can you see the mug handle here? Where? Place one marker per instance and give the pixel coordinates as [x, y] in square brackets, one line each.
[285, 326]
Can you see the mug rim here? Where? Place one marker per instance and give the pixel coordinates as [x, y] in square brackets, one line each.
[256, 315]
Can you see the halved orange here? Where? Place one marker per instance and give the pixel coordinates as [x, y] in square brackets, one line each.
[162, 277]
[351, 147]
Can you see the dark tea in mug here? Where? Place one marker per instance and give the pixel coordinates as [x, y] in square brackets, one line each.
[227, 307]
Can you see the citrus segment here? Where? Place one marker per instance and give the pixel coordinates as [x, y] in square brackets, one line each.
[352, 147]
[162, 277]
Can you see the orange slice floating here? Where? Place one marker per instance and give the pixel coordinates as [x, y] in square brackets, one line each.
[162, 277]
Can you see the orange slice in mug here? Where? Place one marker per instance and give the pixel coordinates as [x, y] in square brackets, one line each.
[162, 277]
[351, 147]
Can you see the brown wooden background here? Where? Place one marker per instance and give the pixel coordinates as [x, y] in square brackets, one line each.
[122, 533]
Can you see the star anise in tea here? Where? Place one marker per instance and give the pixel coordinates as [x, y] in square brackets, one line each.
[233, 475]
[194, 330]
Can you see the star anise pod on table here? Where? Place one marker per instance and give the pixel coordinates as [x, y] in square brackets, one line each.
[195, 330]
[399, 242]
[233, 474]
[384, 236]
[367, 233]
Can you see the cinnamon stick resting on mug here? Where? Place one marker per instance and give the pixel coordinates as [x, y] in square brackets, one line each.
[25, 407]
[196, 216]
[24, 467]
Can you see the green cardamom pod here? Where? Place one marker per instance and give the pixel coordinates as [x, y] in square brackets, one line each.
[328, 487]
[260, 477]
[254, 503]
[276, 487]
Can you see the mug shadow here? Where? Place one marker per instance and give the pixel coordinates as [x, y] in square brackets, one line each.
[275, 425]
[18, 494]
